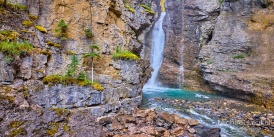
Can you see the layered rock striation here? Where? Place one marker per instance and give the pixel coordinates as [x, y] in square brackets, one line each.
[112, 24]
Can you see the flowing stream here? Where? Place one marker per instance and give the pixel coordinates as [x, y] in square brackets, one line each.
[153, 98]
[156, 56]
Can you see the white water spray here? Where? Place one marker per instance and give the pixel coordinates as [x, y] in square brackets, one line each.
[156, 56]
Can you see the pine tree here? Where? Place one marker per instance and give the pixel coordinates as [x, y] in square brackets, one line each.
[93, 54]
[72, 66]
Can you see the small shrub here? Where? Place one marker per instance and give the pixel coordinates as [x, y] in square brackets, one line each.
[72, 66]
[41, 29]
[124, 55]
[62, 30]
[239, 56]
[8, 35]
[27, 23]
[50, 43]
[129, 8]
[89, 33]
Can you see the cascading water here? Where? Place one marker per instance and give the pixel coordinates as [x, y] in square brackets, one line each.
[156, 56]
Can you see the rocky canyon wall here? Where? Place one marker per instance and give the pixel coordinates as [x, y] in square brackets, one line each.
[114, 23]
[223, 46]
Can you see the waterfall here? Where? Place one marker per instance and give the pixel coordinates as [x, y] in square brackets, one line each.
[156, 56]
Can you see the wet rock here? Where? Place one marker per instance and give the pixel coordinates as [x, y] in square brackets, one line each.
[212, 133]
[192, 122]
[164, 119]
[191, 130]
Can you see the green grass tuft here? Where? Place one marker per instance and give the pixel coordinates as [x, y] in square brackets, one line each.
[147, 8]
[81, 80]
[62, 30]
[124, 55]
[89, 33]
[15, 48]
[239, 56]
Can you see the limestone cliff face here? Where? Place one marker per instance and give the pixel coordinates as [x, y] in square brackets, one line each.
[238, 61]
[225, 45]
[113, 24]
[188, 25]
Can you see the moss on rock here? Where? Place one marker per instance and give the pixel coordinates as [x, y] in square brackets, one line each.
[41, 29]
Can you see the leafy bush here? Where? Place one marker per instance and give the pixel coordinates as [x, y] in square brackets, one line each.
[124, 55]
[41, 29]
